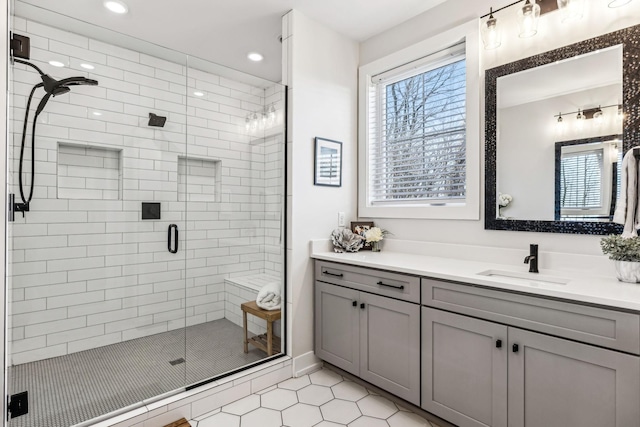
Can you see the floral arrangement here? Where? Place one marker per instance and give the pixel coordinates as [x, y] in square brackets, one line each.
[344, 240]
[621, 248]
[374, 235]
[504, 200]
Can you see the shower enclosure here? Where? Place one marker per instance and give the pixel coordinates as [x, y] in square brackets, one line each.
[157, 209]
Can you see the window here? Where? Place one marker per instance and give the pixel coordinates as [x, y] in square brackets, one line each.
[587, 180]
[418, 151]
[418, 157]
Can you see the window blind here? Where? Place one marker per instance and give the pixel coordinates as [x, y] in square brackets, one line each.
[417, 134]
[581, 180]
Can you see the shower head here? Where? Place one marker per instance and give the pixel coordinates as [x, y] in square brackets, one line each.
[156, 121]
[54, 87]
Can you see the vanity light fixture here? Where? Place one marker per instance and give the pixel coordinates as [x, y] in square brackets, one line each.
[491, 32]
[528, 16]
[618, 3]
[598, 115]
[571, 10]
[271, 115]
[116, 6]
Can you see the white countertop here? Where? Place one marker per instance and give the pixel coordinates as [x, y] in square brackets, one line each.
[601, 290]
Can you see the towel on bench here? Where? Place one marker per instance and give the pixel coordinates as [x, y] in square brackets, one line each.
[269, 296]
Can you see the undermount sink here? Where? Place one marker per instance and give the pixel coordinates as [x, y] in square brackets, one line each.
[525, 278]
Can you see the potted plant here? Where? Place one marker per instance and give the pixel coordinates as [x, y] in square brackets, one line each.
[625, 252]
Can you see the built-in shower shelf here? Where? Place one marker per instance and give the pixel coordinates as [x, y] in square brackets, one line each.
[89, 172]
[199, 180]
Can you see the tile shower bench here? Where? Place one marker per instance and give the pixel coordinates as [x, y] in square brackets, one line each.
[457, 337]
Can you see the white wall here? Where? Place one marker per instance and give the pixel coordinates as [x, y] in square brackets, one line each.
[321, 72]
[85, 270]
[599, 20]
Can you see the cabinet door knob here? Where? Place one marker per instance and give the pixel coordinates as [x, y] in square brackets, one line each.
[362, 306]
[499, 344]
[516, 347]
[355, 303]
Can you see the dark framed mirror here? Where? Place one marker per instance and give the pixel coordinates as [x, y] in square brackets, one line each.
[585, 91]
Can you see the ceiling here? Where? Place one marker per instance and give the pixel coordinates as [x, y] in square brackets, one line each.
[224, 31]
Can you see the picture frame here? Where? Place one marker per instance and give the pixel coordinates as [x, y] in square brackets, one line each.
[361, 227]
[327, 170]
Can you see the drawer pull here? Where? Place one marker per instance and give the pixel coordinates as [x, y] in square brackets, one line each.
[499, 344]
[401, 287]
[354, 303]
[333, 274]
[516, 347]
[362, 306]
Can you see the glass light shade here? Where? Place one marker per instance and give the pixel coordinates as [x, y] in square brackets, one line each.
[254, 122]
[618, 3]
[528, 16]
[272, 115]
[571, 10]
[491, 36]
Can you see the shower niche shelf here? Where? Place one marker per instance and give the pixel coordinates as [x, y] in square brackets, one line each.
[199, 179]
[89, 172]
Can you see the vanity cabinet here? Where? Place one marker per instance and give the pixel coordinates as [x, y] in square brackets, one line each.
[473, 368]
[375, 337]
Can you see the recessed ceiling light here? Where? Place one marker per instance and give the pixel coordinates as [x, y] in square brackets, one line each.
[255, 56]
[116, 6]
[87, 66]
[56, 63]
[198, 93]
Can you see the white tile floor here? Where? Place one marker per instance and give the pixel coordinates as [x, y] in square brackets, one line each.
[320, 399]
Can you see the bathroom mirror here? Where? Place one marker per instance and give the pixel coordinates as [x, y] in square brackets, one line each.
[570, 100]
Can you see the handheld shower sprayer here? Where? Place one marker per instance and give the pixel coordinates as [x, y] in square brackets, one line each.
[52, 88]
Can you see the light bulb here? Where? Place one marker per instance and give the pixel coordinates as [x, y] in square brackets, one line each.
[491, 33]
[247, 123]
[598, 117]
[254, 122]
[579, 120]
[571, 10]
[528, 16]
[272, 115]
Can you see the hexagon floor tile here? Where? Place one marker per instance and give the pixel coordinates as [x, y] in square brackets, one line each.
[340, 411]
[279, 399]
[262, 417]
[301, 415]
[320, 399]
[368, 422]
[325, 377]
[315, 395]
[348, 390]
[377, 407]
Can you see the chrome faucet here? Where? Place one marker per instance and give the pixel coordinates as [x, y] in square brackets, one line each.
[532, 259]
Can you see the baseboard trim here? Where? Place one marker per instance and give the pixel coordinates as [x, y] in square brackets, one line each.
[305, 364]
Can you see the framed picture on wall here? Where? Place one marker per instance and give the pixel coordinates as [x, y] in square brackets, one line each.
[328, 163]
[361, 227]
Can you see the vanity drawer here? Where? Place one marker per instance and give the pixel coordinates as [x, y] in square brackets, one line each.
[394, 285]
[606, 328]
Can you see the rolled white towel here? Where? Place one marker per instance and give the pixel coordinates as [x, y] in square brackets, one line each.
[269, 296]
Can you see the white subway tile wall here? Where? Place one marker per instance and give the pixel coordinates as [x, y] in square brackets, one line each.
[85, 270]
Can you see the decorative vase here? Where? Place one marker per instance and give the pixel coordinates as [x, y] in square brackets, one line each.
[375, 246]
[628, 271]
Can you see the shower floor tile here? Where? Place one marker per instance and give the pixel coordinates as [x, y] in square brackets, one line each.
[310, 401]
[67, 390]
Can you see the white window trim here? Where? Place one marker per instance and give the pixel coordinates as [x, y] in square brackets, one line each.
[470, 209]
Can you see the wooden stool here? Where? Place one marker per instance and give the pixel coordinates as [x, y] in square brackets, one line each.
[266, 342]
[180, 423]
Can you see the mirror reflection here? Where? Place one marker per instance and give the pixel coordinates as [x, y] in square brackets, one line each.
[558, 139]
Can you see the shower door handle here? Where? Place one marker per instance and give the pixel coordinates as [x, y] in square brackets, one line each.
[173, 249]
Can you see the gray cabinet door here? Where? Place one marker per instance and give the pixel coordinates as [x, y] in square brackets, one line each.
[337, 313]
[390, 345]
[464, 369]
[559, 383]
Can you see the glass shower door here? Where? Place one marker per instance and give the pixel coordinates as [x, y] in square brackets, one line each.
[96, 266]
